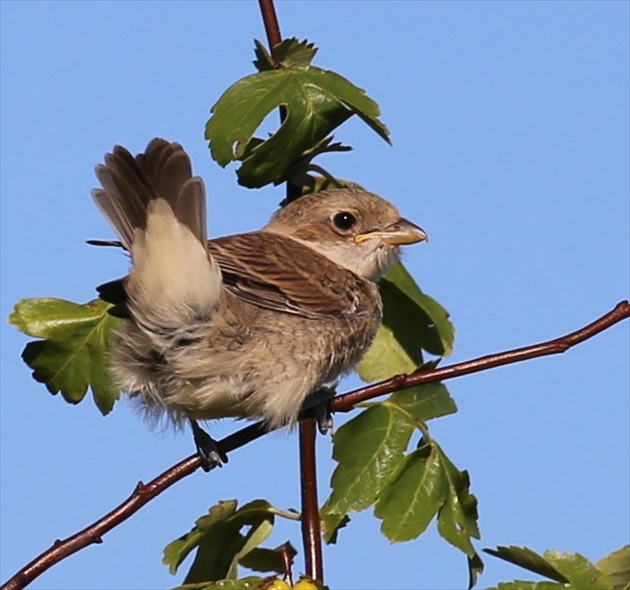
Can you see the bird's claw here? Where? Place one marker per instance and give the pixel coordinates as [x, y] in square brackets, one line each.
[210, 454]
[317, 403]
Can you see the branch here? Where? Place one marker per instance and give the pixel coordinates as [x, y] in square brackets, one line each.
[311, 526]
[143, 493]
[270, 20]
[346, 402]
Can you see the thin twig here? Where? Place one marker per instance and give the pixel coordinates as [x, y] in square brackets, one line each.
[270, 20]
[343, 403]
[272, 28]
[311, 525]
[346, 402]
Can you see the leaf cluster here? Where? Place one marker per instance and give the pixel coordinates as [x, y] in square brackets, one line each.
[408, 490]
[220, 545]
[314, 102]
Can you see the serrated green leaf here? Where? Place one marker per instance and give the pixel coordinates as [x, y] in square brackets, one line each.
[73, 355]
[529, 560]
[316, 101]
[616, 566]
[580, 572]
[263, 61]
[425, 402]
[457, 519]
[414, 495]
[293, 53]
[412, 322]
[368, 449]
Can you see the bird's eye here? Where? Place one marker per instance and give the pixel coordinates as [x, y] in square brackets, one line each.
[344, 220]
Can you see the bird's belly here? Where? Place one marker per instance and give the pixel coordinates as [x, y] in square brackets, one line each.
[265, 374]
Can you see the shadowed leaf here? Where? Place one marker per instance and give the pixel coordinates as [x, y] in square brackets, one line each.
[412, 322]
[219, 540]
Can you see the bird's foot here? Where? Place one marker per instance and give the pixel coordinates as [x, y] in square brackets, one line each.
[317, 404]
[209, 452]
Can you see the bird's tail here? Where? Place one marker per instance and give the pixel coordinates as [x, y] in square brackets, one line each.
[158, 211]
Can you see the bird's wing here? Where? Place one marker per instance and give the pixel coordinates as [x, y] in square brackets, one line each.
[279, 273]
[272, 272]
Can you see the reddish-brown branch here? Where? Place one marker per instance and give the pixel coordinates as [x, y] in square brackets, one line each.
[311, 526]
[343, 403]
[270, 20]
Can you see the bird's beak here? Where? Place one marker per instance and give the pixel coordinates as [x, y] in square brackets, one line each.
[397, 234]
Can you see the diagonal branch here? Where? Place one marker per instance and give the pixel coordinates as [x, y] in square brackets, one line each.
[143, 493]
[347, 401]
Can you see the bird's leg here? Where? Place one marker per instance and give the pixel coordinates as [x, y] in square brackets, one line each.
[317, 403]
[209, 453]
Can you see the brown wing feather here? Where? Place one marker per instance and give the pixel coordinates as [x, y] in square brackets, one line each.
[276, 272]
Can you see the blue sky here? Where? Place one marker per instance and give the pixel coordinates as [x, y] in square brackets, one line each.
[510, 123]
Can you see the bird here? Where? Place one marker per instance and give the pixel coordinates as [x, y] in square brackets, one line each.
[246, 325]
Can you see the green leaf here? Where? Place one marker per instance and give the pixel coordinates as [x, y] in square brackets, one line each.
[176, 551]
[316, 101]
[425, 314]
[218, 540]
[475, 569]
[527, 559]
[368, 449]
[73, 355]
[286, 54]
[457, 519]
[293, 53]
[580, 572]
[261, 559]
[332, 523]
[425, 402]
[412, 322]
[386, 357]
[616, 567]
[414, 496]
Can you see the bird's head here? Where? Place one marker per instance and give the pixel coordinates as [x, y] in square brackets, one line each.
[354, 228]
